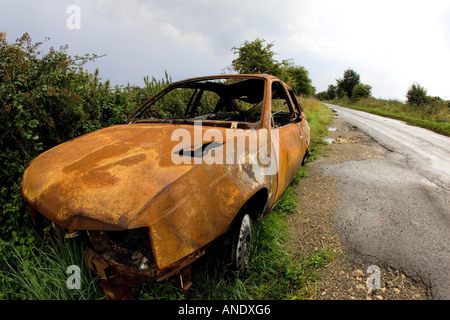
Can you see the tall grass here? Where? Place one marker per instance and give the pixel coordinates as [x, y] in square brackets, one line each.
[42, 273]
[319, 118]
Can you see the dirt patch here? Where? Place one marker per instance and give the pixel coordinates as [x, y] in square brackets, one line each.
[311, 228]
[347, 143]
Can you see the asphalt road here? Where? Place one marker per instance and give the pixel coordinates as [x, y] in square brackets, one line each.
[395, 211]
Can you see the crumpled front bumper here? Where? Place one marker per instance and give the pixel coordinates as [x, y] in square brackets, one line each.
[120, 265]
[117, 279]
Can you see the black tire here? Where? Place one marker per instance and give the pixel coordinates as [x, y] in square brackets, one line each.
[240, 245]
[305, 157]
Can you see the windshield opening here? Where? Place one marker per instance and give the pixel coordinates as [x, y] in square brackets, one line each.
[213, 100]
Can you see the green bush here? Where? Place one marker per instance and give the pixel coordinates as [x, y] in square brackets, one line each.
[417, 95]
[361, 91]
[48, 98]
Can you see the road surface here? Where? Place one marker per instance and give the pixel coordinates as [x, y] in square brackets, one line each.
[395, 210]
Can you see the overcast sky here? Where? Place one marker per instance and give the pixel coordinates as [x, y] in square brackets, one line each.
[390, 43]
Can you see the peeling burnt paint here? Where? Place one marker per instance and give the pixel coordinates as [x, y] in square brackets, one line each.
[146, 216]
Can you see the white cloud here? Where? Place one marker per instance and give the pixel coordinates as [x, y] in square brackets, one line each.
[392, 43]
[389, 43]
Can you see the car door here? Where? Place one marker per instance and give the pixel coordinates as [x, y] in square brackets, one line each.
[285, 124]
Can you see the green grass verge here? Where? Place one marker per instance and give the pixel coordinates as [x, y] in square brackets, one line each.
[319, 119]
[432, 117]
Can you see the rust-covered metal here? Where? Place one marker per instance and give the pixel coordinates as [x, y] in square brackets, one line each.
[123, 178]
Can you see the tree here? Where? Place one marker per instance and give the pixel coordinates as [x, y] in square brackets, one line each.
[346, 85]
[258, 57]
[331, 92]
[255, 57]
[298, 78]
[322, 95]
[416, 95]
[361, 91]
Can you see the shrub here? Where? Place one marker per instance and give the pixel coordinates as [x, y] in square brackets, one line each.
[361, 91]
[46, 99]
[416, 95]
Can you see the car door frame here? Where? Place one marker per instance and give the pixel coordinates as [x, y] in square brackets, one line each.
[289, 145]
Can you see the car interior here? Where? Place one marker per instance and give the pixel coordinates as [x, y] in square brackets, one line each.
[235, 102]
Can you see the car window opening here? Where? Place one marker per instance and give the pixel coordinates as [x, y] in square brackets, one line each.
[217, 102]
[283, 112]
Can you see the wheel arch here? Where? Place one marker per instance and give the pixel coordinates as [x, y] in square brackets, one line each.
[255, 206]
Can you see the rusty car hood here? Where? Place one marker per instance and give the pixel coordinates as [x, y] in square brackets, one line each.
[103, 179]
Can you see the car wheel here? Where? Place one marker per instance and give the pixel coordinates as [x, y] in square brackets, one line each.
[240, 249]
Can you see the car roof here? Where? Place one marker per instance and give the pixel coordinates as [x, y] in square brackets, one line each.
[230, 76]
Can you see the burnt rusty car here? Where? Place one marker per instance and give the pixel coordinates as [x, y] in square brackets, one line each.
[195, 164]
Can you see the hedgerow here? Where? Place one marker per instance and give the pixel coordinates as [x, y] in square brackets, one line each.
[47, 98]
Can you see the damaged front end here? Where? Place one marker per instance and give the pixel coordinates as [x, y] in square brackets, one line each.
[123, 258]
[120, 259]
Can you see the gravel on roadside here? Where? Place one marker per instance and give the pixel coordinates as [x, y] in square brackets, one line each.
[311, 228]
